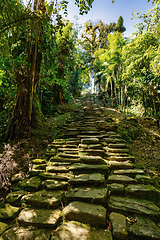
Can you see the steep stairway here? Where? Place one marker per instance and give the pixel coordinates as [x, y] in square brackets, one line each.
[87, 188]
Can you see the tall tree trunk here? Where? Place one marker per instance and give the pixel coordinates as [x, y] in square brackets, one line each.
[23, 111]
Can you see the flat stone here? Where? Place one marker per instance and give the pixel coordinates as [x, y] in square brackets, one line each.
[44, 199]
[17, 177]
[89, 168]
[116, 150]
[92, 159]
[121, 158]
[8, 212]
[39, 166]
[75, 142]
[61, 159]
[113, 140]
[119, 225]
[15, 197]
[93, 152]
[21, 233]
[35, 172]
[95, 178]
[38, 161]
[89, 141]
[92, 195]
[144, 228]
[117, 145]
[120, 179]
[57, 169]
[31, 184]
[130, 172]
[92, 214]
[141, 190]
[56, 185]
[3, 227]
[119, 165]
[95, 146]
[78, 231]
[129, 205]
[61, 176]
[143, 179]
[40, 217]
[116, 188]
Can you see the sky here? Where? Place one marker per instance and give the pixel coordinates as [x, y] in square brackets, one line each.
[109, 12]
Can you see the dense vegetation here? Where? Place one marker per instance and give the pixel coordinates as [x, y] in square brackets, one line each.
[43, 63]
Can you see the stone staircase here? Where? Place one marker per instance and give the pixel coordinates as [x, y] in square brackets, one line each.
[87, 188]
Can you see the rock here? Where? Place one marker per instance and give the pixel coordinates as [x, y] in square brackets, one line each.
[61, 176]
[17, 177]
[21, 233]
[44, 199]
[89, 168]
[78, 231]
[14, 198]
[116, 188]
[119, 165]
[39, 166]
[92, 214]
[92, 195]
[40, 217]
[95, 178]
[93, 152]
[119, 225]
[117, 145]
[8, 212]
[31, 184]
[90, 141]
[39, 161]
[129, 172]
[141, 191]
[3, 227]
[144, 228]
[117, 150]
[92, 159]
[95, 146]
[143, 179]
[129, 205]
[56, 185]
[120, 179]
[121, 158]
[57, 169]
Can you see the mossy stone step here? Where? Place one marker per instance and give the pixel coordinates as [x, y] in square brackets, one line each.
[126, 205]
[116, 150]
[95, 146]
[144, 179]
[64, 159]
[113, 140]
[55, 184]
[121, 158]
[8, 212]
[3, 227]
[68, 149]
[90, 140]
[78, 231]
[117, 145]
[57, 169]
[73, 142]
[95, 178]
[121, 179]
[144, 228]
[92, 214]
[119, 224]
[142, 191]
[58, 176]
[44, 199]
[31, 184]
[130, 172]
[120, 165]
[92, 159]
[40, 217]
[92, 152]
[89, 168]
[116, 189]
[64, 155]
[91, 195]
[14, 198]
[28, 233]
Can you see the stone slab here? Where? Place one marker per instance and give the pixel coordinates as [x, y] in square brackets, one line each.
[120, 179]
[78, 231]
[89, 168]
[88, 213]
[15, 197]
[8, 212]
[130, 172]
[90, 140]
[31, 184]
[119, 165]
[60, 176]
[95, 178]
[3, 227]
[119, 225]
[144, 228]
[116, 189]
[141, 190]
[40, 217]
[21, 233]
[44, 199]
[129, 205]
[92, 159]
[121, 158]
[143, 179]
[92, 195]
[56, 185]
[57, 169]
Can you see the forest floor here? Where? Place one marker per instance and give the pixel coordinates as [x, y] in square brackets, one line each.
[140, 133]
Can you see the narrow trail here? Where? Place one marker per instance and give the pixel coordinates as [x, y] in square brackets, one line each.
[87, 188]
